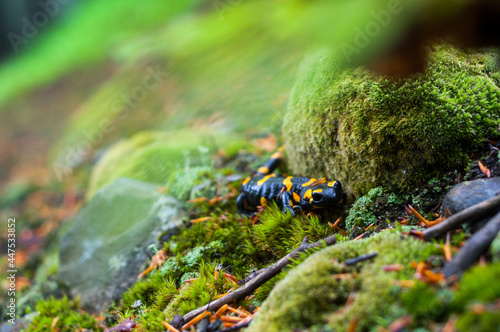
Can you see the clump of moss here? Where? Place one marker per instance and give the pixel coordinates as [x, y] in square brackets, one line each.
[66, 315]
[472, 286]
[312, 296]
[362, 211]
[279, 233]
[176, 159]
[367, 131]
[382, 206]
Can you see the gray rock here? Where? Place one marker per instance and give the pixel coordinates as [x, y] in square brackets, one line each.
[468, 193]
[20, 325]
[106, 247]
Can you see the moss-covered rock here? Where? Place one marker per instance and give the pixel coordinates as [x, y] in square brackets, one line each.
[103, 251]
[311, 294]
[366, 130]
[169, 158]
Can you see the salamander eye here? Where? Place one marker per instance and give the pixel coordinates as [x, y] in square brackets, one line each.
[317, 197]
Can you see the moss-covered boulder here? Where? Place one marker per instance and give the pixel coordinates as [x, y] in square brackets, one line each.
[366, 130]
[103, 252]
[173, 158]
[312, 293]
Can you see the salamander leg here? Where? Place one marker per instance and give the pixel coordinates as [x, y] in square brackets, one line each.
[288, 203]
[242, 205]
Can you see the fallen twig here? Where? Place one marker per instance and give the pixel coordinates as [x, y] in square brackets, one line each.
[473, 248]
[126, 326]
[256, 282]
[470, 214]
[361, 258]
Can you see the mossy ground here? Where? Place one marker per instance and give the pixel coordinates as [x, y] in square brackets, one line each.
[174, 159]
[313, 298]
[227, 239]
[309, 296]
[367, 131]
[63, 315]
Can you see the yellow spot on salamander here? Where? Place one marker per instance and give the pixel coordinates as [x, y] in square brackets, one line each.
[307, 195]
[291, 203]
[288, 183]
[277, 155]
[263, 170]
[265, 178]
[263, 201]
[246, 180]
[330, 184]
[296, 197]
[318, 191]
[308, 182]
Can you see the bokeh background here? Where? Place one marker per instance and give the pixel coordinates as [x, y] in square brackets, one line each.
[76, 76]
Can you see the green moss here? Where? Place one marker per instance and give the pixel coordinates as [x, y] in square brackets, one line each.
[67, 313]
[176, 159]
[310, 295]
[367, 131]
[426, 303]
[279, 233]
[362, 211]
[495, 249]
[472, 286]
[481, 322]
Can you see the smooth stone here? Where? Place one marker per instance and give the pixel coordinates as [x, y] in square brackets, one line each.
[469, 193]
[104, 250]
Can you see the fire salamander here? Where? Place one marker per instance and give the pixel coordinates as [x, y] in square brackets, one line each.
[290, 193]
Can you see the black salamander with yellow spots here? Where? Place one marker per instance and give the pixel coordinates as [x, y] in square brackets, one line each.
[290, 193]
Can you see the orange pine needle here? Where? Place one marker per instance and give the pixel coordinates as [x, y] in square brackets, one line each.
[238, 312]
[420, 267]
[198, 200]
[486, 171]
[432, 277]
[231, 277]
[447, 248]
[352, 325]
[194, 221]
[196, 320]
[221, 310]
[406, 283]
[230, 319]
[392, 267]
[359, 237]
[169, 327]
[54, 322]
[317, 182]
[146, 271]
[371, 225]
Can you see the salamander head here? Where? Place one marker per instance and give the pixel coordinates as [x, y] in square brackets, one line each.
[324, 195]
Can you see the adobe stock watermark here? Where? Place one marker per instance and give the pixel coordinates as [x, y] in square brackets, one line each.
[121, 107]
[31, 27]
[363, 37]
[222, 6]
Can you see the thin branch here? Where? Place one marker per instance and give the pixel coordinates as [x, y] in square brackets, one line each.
[473, 248]
[470, 214]
[256, 282]
[356, 260]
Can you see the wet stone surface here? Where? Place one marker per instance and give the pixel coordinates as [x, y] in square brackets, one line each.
[107, 246]
[469, 193]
